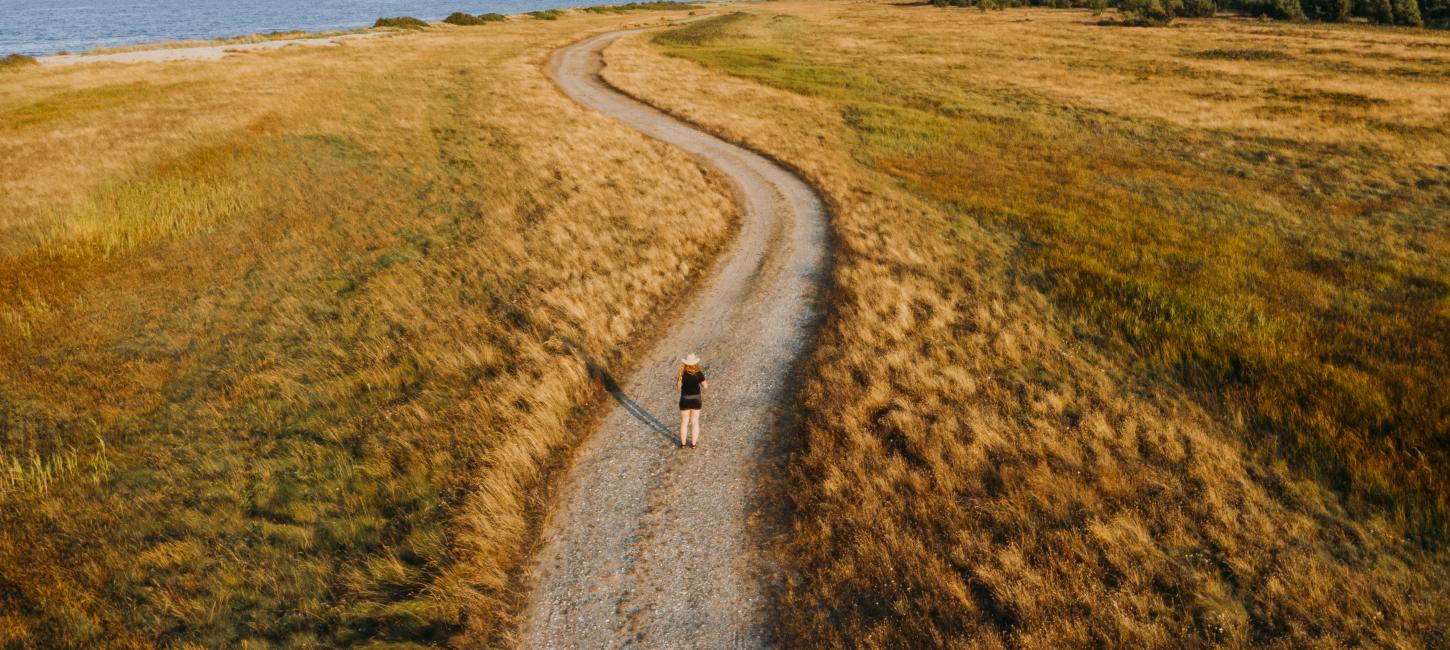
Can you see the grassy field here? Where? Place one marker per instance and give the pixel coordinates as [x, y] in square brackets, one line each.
[1139, 336]
[292, 341]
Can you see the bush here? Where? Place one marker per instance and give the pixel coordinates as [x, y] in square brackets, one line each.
[1378, 11]
[1286, 10]
[984, 5]
[551, 14]
[492, 18]
[1329, 10]
[460, 18]
[1197, 9]
[1407, 12]
[1276, 9]
[401, 22]
[1149, 12]
[16, 60]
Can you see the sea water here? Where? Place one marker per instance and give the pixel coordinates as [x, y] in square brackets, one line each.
[39, 27]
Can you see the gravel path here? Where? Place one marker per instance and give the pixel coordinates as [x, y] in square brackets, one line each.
[648, 545]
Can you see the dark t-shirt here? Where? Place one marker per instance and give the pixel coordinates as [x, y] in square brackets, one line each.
[690, 382]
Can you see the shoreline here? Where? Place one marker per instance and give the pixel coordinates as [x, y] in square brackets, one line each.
[305, 36]
[201, 52]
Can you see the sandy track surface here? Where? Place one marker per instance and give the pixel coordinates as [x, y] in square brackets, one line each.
[649, 545]
[198, 53]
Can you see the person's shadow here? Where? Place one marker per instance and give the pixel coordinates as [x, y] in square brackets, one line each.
[630, 406]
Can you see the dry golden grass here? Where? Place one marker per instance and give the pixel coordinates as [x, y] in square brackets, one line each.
[291, 342]
[1024, 423]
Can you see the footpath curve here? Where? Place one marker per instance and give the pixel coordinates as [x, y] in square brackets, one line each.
[648, 545]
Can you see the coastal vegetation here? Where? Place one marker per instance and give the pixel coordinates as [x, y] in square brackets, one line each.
[401, 22]
[16, 61]
[1139, 340]
[460, 18]
[291, 345]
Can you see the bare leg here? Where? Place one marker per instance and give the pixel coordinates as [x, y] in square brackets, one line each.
[684, 426]
[695, 426]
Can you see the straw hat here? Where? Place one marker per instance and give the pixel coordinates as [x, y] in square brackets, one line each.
[691, 360]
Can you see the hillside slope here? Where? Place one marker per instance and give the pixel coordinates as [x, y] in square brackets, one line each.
[290, 342]
[1138, 334]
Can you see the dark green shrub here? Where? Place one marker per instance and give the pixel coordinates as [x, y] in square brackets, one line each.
[1278, 9]
[492, 18]
[16, 61]
[1436, 13]
[551, 14]
[1407, 12]
[1328, 10]
[1378, 11]
[1197, 9]
[460, 18]
[1149, 12]
[402, 22]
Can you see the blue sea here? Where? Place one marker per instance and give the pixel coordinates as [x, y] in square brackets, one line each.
[38, 27]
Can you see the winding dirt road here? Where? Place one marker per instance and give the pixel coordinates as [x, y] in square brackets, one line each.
[649, 544]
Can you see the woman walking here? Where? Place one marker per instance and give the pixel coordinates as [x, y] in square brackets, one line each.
[691, 382]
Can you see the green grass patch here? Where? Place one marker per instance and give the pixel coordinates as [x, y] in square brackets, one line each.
[127, 215]
[641, 6]
[77, 102]
[548, 14]
[732, 43]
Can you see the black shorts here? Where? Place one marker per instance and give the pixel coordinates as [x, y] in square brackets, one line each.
[689, 402]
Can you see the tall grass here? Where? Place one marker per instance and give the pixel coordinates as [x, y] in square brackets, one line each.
[1334, 343]
[292, 346]
[129, 214]
[1117, 359]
